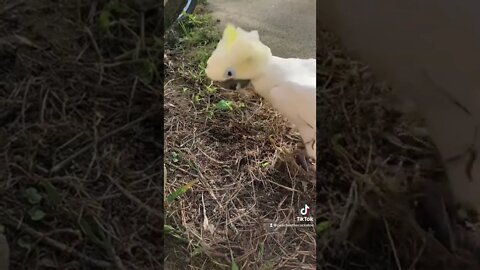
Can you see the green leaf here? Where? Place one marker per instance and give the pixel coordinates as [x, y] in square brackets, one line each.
[168, 229]
[225, 105]
[164, 174]
[234, 265]
[104, 20]
[210, 114]
[53, 196]
[179, 192]
[198, 98]
[147, 71]
[211, 89]
[33, 196]
[268, 265]
[118, 7]
[175, 157]
[194, 166]
[25, 242]
[36, 214]
[173, 232]
[197, 251]
[89, 232]
[201, 57]
[322, 227]
[261, 251]
[265, 164]
[158, 42]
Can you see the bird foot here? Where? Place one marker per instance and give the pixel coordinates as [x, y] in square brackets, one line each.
[303, 161]
[433, 212]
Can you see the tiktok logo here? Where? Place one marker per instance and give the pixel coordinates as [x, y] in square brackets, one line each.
[305, 210]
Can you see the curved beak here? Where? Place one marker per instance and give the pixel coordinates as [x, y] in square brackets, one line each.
[232, 84]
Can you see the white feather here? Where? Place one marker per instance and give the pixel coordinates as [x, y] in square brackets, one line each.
[289, 84]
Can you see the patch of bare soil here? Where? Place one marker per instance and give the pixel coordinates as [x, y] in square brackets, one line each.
[372, 160]
[239, 163]
[81, 134]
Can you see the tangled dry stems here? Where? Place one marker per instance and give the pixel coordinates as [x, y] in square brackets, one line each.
[371, 157]
[81, 121]
[241, 162]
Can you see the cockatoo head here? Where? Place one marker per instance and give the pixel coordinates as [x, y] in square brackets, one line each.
[239, 55]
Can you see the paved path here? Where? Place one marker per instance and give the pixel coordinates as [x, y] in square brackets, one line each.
[286, 26]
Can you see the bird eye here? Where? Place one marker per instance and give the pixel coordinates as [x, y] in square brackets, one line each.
[230, 73]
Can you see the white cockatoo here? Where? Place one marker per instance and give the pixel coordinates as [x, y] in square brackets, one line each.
[288, 84]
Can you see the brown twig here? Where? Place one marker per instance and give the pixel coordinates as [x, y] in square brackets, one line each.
[60, 165]
[392, 243]
[132, 94]
[135, 199]
[11, 6]
[4, 250]
[99, 53]
[17, 224]
[142, 30]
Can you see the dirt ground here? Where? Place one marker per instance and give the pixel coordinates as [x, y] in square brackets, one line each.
[81, 151]
[81, 134]
[371, 160]
[238, 161]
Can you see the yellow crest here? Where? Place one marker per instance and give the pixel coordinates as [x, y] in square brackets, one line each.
[230, 34]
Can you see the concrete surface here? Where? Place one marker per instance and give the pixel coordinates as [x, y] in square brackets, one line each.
[286, 26]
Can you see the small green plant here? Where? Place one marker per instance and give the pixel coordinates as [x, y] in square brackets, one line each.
[33, 196]
[175, 157]
[107, 15]
[322, 227]
[210, 114]
[198, 98]
[198, 31]
[174, 232]
[261, 252]
[241, 105]
[269, 265]
[265, 164]
[92, 231]
[36, 214]
[202, 56]
[52, 196]
[225, 105]
[147, 71]
[197, 251]
[211, 89]
[234, 265]
[179, 192]
[25, 242]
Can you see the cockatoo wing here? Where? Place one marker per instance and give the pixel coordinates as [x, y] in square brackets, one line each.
[297, 103]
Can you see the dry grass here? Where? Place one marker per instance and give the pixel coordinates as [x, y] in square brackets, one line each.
[370, 159]
[239, 160]
[81, 142]
[81, 135]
